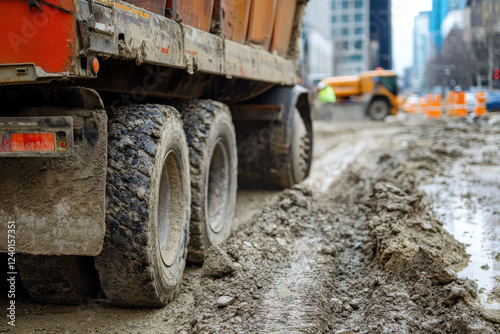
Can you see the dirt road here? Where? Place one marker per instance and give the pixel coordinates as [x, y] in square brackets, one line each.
[396, 231]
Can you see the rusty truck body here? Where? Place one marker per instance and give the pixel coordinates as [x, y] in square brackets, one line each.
[125, 128]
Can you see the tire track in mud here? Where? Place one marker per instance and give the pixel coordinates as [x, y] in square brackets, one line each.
[307, 263]
[295, 296]
[278, 275]
[388, 256]
[332, 162]
[297, 300]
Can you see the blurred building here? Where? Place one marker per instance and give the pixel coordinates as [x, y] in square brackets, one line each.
[454, 20]
[437, 16]
[440, 10]
[361, 30]
[381, 33]
[456, 4]
[350, 30]
[407, 81]
[482, 38]
[422, 42]
[317, 49]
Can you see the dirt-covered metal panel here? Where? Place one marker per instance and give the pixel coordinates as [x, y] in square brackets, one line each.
[108, 30]
[124, 31]
[58, 204]
[243, 61]
[36, 136]
[202, 51]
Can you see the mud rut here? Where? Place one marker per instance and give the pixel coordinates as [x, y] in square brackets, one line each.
[356, 249]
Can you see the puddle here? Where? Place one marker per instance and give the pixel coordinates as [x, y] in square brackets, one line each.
[467, 201]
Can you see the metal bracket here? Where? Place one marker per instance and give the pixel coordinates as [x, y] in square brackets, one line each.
[34, 3]
[91, 19]
[190, 63]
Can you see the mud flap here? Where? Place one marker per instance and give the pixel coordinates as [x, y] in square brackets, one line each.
[57, 204]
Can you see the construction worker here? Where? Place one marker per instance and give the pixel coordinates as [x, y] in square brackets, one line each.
[327, 98]
[326, 93]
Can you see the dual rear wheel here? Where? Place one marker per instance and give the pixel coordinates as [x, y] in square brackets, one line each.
[171, 185]
[165, 177]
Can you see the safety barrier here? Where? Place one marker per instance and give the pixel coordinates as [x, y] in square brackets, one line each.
[434, 106]
[480, 106]
[461, 109]
[455, 104]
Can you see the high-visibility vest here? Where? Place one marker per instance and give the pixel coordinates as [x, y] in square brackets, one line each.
[327, 95]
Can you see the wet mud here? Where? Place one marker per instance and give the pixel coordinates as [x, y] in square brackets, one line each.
[369, 254]
[368, 244]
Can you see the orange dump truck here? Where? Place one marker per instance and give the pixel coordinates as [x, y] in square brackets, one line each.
[125, 128]
[377, 90]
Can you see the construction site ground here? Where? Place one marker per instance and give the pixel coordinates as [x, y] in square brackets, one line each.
[397, 230]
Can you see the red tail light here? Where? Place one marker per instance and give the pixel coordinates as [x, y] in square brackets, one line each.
[22, 142]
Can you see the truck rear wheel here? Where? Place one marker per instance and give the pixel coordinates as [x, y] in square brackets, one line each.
[148, 207]
[378, 109]
[276, 154]
[54, 279]
[214, 166]
[300, 151]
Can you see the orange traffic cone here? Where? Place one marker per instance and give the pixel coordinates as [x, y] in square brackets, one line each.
[461, 109]
[480, 107]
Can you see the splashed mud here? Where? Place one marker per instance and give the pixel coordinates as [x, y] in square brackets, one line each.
[373, 242]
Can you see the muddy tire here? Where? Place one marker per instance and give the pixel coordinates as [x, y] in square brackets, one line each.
[300, 151]
[274, 155]
[214, 166]
[58, 279]
[378, 109]
[147, 207]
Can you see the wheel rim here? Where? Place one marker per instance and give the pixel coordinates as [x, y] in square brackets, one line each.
[378, 109]
[218, 186]
[170, 208]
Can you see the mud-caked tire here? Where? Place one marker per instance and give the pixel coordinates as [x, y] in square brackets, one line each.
[214, 166]
[298, 162]
[52, 279]
[378, 109]
[147, 207]
[274, 155]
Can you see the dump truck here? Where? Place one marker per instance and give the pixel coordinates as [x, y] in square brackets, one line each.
[125, 129]
[377, 91]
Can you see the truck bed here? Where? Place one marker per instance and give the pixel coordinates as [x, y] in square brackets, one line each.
[115, 30]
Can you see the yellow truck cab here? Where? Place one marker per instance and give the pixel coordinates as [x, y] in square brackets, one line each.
[377, 90]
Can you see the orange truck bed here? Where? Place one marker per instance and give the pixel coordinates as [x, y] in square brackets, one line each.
[58, 39]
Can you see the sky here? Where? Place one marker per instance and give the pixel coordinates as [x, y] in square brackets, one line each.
[403, 19]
